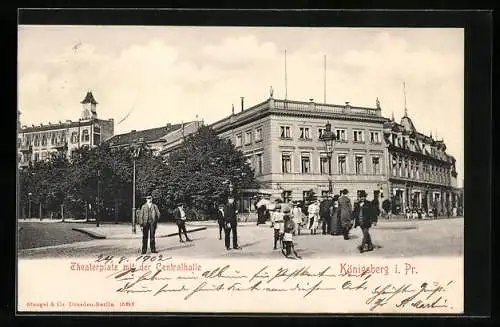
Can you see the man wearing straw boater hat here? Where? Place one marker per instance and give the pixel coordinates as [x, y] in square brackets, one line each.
[148, 217]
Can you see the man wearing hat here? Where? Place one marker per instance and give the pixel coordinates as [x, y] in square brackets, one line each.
[297, 217]
[148, 217]
[325, 209]
[277, 222]
[345, 209]
[220, 219]
[364, 215]
[230, 224]
[180, 219]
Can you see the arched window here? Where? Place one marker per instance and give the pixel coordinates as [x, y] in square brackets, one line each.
[53, 138]
[37, 140]
[85, 135]
[74, 137]
[44, 139]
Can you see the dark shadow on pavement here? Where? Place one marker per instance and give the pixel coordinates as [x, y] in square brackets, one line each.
[178, 247]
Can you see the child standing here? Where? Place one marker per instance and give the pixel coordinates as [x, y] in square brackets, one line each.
[288, 228]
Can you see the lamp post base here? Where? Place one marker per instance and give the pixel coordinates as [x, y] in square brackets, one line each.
[133, 221]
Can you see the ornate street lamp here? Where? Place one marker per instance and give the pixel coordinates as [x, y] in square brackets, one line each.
[329, 139]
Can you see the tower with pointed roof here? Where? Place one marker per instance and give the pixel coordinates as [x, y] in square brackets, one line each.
[89, 107]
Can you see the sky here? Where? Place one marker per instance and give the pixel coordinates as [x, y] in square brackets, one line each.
[145, 77]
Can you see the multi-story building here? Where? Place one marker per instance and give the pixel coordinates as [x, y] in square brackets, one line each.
[420, 172]
[281, 139]
[161, 140]
[42, 141]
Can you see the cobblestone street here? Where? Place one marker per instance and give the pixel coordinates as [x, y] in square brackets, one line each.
[391, 238]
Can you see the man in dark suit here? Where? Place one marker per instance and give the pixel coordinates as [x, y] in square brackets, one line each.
[180, 219]
[364, 215]
[345, 212]
[325, 209]
[230, 223]
[147, 218]
[220, 219]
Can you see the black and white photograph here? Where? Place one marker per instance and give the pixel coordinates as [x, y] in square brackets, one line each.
[329, 153]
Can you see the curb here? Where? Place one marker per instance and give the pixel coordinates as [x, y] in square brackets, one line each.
[188, 231]
[91, 234]
[100, 236]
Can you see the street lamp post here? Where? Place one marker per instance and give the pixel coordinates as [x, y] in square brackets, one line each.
[329, 139]
[98, 208]
[135, 154]
[29, 204]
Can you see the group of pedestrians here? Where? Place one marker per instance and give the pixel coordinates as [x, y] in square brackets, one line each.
[335, 215]
[147, 219]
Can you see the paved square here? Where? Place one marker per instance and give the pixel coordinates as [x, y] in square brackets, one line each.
[392, 239]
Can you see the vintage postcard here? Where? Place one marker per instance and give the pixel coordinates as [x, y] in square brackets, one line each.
[240, 169]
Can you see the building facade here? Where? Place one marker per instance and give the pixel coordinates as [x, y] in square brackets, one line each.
[38, 143]
[421, 174]
[281, 140]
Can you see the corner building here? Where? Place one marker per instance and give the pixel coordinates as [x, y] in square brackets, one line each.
[39, 143]
[421, 174]
[281, 140]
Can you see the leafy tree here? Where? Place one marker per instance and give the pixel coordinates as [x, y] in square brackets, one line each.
[202, 171]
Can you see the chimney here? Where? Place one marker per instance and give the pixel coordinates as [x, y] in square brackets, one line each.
[242, 103]
[232, 110]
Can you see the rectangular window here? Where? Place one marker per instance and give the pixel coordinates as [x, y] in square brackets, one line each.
[37, 156]
[376, 165]
[44, 155]
[306, 195]
[342, 164]
[258, 134]
[358, 136]
[359, 165]
[238, 140]
[248, 138]
[286, 163]
[394, 164]
[260, 164]
[324, 194]
[304, 133]
[306, 163]
[285, 132]
[340, 134]
[97, 139]
[374, 137]
[324, 165]
[287, 196]
[85, 135]
[320, 132]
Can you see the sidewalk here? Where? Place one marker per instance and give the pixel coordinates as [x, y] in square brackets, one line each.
[115, 231]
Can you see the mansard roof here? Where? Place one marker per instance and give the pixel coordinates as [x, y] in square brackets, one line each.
[147, 135]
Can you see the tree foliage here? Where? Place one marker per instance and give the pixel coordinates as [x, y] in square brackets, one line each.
[200, 173]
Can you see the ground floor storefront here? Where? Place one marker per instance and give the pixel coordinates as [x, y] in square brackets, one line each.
[429, 198]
